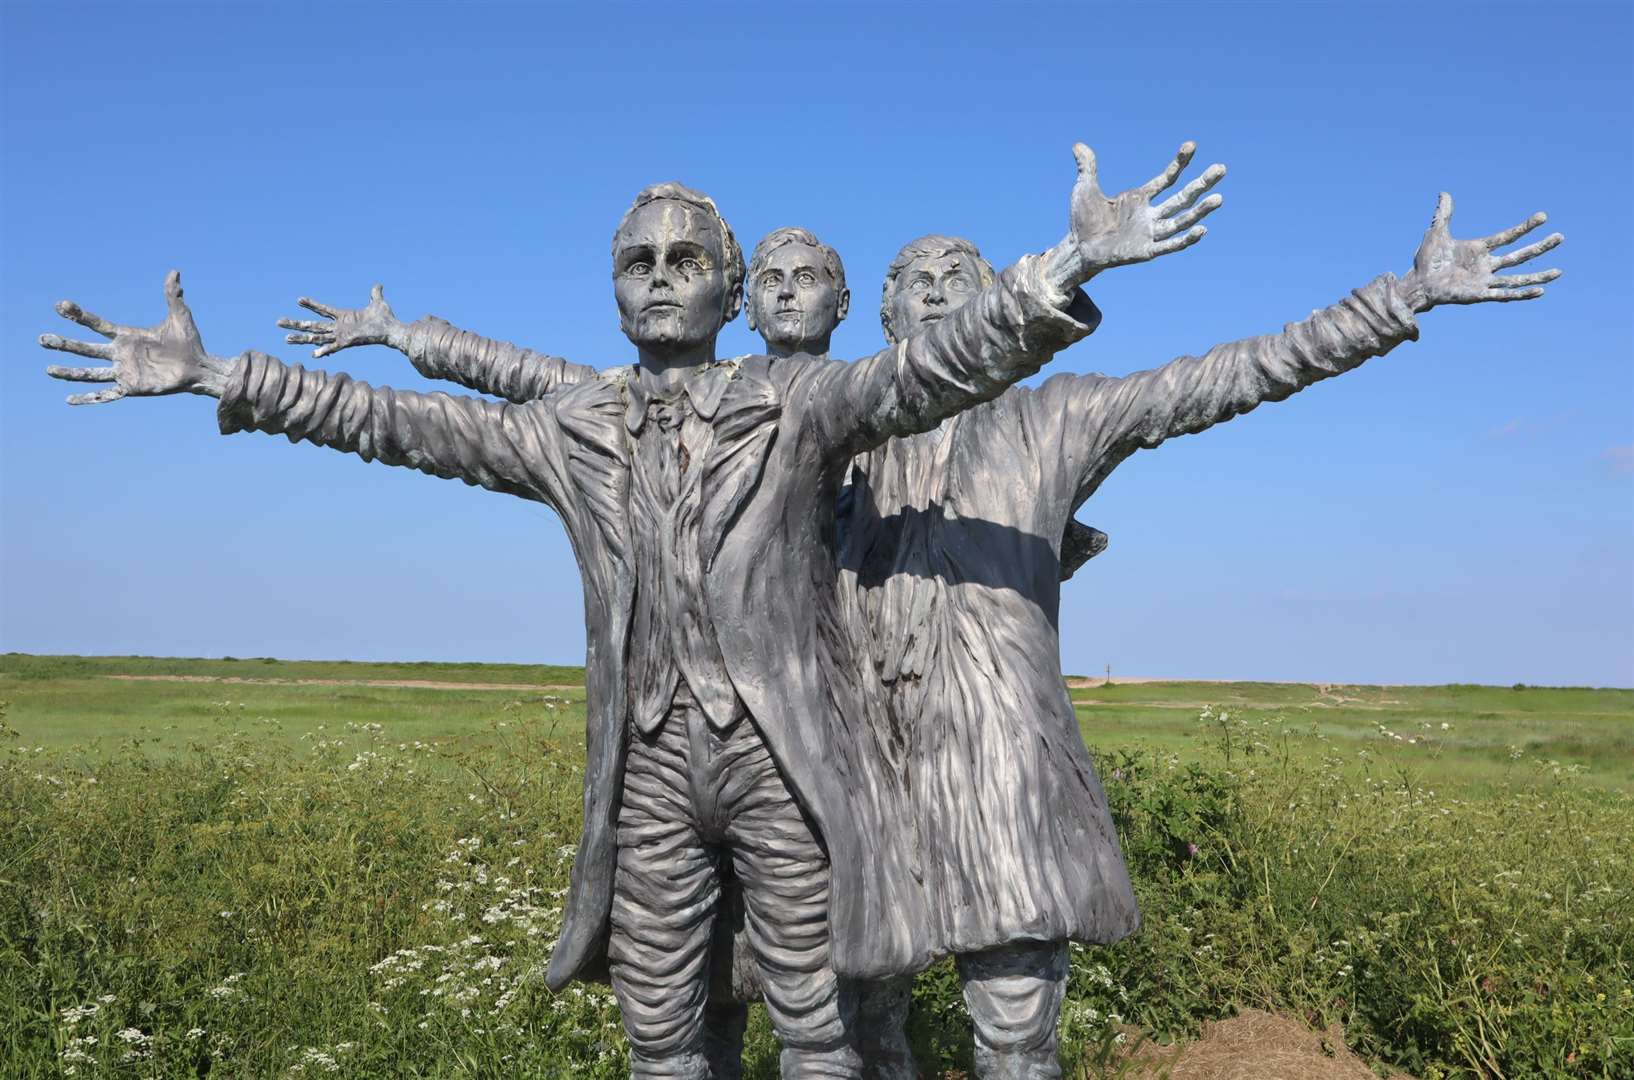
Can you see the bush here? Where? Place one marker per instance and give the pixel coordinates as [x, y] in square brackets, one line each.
[1450, 936]
[368, 907]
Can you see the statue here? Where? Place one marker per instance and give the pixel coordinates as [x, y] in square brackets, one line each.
[699, 497]
[944, 543]
[731, 729]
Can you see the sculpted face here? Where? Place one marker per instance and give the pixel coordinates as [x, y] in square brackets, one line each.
[793, 302]
[929, 288]
[668, 277]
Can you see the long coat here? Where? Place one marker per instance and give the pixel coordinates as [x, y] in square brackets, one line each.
[950, 553]
[784, 433]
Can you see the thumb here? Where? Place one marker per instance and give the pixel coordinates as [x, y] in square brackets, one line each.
[173, 293]
[378, 294]
[1086, 163]
[1443, 212]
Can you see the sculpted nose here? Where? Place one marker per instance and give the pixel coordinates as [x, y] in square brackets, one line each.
[935, 295]
[785, 289]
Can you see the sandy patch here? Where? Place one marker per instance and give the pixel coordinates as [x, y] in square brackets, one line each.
[404, 684]
[1254, 1045]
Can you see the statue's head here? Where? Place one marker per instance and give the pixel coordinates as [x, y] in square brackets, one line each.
[677, 269]
[929, 278]
[796, 294]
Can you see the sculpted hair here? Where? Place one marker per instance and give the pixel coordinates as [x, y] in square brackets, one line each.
[731, 253]
[795, 235]
[927, 247]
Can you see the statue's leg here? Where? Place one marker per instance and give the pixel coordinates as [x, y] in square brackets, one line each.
[1014, 994]
[665, 893]
[882, 1029]
[784, 875]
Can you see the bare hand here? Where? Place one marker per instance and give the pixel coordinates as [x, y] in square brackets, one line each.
[1449, 271]
[371, 325]
[164, 359]
[1129, 228]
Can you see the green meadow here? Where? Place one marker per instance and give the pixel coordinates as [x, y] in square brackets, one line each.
[249, 867]
[1462, 735]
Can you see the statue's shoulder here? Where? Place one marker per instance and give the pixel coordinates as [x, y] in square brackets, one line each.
[740, 373]
[736, 367]
[604, 392]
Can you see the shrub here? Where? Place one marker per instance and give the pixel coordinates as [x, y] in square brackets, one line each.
[368, 907]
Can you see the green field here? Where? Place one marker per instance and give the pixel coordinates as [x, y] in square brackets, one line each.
[61, 702]
[83, 702]
[267, 868]
[1463, 735]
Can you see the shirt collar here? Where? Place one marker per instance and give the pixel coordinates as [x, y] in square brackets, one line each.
[704, 388]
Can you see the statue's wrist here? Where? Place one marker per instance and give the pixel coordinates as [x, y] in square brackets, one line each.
[1065, 267]
[213, 376]
[398, 335]
[1411, 289]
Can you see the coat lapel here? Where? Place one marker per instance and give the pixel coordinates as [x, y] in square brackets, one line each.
[592, 412]
[743, 405]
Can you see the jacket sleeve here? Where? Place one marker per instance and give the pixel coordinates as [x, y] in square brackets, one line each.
[439, 350]
[498, 446]
[1005, 333]
[1103, 420]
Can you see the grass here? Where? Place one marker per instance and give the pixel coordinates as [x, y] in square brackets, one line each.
[274, 879]
[78, 702]
[25, 666]
[1463, 735]
[74, 701]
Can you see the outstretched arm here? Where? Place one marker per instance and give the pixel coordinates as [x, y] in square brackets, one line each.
[481, 442]
[437, 349]
[1008, 331]
[1104, 420]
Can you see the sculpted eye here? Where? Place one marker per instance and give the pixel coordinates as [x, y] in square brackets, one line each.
[918, 284]
[692, 266]
[768, 280]
[958, 284]
[638, 269]
[806, 278]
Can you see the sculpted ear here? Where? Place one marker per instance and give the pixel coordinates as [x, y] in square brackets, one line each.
[734, 304]
[844, 307]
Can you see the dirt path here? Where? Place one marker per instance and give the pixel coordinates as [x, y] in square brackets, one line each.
[437, 684]
[402, 684]
[1254, 1045]
[1084, 682]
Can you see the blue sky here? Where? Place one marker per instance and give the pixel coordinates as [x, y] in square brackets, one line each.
[1461, 510]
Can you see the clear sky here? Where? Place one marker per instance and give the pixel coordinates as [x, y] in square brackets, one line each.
[1461, 510]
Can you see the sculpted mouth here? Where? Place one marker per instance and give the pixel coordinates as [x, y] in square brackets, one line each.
[932, 316]
[662, 305]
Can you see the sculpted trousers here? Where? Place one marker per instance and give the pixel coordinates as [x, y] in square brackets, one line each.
[880, 1030]
[695, 798]
[1014, 994]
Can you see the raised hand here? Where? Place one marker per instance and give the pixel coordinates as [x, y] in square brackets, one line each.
[1449, 271]
[146, 361]
[1133, 227]
[371, 325]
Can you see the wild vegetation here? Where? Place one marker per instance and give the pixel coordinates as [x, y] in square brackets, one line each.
[285, 878]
